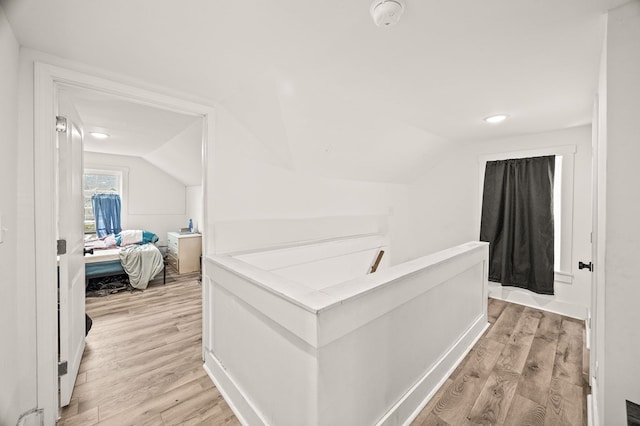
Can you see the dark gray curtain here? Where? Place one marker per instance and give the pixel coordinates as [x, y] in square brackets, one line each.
[517, 222]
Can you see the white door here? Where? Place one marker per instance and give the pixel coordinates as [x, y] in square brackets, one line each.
[70, 221]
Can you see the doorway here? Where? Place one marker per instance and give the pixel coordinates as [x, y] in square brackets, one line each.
[48, 80]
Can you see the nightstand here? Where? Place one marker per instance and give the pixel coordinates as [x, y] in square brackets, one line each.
[183, 251]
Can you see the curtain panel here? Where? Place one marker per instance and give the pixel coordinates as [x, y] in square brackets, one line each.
[517, 222]
[106, 211]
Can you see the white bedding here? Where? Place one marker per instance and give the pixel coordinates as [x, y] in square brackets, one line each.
[132, 236]
[108, 242]
[141, 263]
[102, 255]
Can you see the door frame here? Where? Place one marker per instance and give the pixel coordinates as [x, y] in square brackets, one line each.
[598, 226]
[47, 78]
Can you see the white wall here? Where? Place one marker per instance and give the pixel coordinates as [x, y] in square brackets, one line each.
[622, 277]
[181, 156]
[24, 348]
[17, 312]
[154, 200]
[248, 186]
[194, 206]
[445, 208]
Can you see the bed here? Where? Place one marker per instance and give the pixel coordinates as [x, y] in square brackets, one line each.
[102, 263]
[141, 262]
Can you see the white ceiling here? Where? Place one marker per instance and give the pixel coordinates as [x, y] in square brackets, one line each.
[133, 128]
[325, 89]
[169, 140]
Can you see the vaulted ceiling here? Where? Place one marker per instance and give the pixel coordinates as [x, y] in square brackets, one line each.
[166, 139]
[320, 85]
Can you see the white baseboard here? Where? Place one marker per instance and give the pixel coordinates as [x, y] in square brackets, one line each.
[416, 398]
[241, 406]
[538, 301]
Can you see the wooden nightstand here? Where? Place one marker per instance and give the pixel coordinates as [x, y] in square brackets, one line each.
[183, 251]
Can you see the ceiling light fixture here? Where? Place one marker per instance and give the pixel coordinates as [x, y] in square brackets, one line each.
[99, 135]
[386, 13]
[494, 119]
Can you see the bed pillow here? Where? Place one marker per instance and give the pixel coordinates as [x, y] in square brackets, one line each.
[145, 237]
[149, 237]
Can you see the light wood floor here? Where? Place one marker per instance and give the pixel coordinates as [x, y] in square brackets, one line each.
[142, 366]
[142, 363]
[529, 368]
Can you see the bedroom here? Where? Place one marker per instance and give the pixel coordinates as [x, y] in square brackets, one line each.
[260, 179]
[150, 158]
[140, 184]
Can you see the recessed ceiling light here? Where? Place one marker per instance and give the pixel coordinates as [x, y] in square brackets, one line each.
[99, 135]
[498, 118]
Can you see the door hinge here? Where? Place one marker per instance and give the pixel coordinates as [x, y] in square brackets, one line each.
[61, 124]
[61, 247]
[62, 368]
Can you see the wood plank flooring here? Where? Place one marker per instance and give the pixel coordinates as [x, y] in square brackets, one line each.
[142, 366]
[142, 362]
[527, 369]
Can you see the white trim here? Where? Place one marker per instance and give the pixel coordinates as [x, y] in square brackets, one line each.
[597, 358]
[564, 150]
[587, 328]
[45, 251]
[95, 168]
[543, 302]
[45, 108]
[241, 406]
[562, 277]
[294, 306]
[206, 227]
[434, 379]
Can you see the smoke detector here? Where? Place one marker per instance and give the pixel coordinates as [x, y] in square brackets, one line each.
[386, 12]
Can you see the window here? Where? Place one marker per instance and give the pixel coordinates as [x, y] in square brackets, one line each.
[96, 182]
[563, 201]
[517, 220]
[557, 213]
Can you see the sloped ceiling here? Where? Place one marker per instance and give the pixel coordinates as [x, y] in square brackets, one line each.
[326, 90]
[168, 140]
